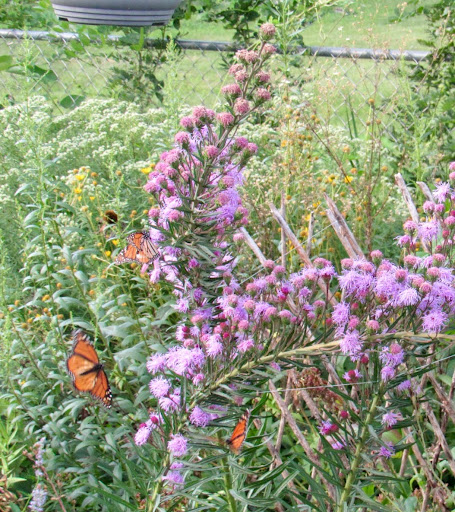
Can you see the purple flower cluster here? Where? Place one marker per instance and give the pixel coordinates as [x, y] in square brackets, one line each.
[387, 451]
[39, 460]
[236, 326]
[226, 323]
[39, 498]
[197, 214]
[423, 288]
[145, 429]
[390, 419]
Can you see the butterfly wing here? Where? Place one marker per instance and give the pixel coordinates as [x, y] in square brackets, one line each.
[135, 239]
[82, 371]
[139, 249]
[238, 436]
[101, 389]
[82, 346]
[128, 254]
[86, 371]
[148, 248]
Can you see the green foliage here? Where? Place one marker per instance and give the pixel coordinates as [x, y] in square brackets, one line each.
[245, 16]
[305, 158]
[135, 78]
[65, 282]
[431, 93]
[22, 14]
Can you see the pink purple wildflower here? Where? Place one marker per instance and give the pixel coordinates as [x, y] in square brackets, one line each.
[178, 445]
[390, 419]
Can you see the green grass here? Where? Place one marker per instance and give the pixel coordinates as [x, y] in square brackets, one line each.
[368, 24]
[364, 24]
[196, 28]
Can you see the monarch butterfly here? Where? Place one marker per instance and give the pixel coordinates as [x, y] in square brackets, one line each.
[238, 436]
[140, 249]
[86, 371]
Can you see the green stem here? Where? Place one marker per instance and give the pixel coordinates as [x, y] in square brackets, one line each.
[317, 349]
[313, 349]
[228, 485]
[32, 358]
[359, 449]
[151, 501]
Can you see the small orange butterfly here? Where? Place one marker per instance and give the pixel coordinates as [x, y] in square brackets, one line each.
[238, 436]
[140, 249]
[86, 370]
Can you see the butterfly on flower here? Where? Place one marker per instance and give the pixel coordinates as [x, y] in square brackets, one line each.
[238, 436]
[86, 370]
[140, 249]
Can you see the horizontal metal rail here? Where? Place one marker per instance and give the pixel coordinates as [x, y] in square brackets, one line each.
[318, 51]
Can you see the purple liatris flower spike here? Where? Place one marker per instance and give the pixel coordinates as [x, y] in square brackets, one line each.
[442, 192]
[159, 387]
[351, 344]
[214, 347]
[338, 445]
[245, 344]
[327, 427]
[434, 321]
[174, 477]
[404, 386]
[352, 376]
[199, 418]
[340, 314]
[142, 435]
[392, 356]
[387, 373]
[389, 419]
[178, 445]
[408, 297]
[387, 451]
[157, 363]
[428, 231]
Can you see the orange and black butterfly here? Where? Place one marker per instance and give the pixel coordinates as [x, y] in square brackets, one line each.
[238, 436]
[87, 371]
[140, 249]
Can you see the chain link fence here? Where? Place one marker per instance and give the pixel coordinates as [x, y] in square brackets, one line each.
[340, 84]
